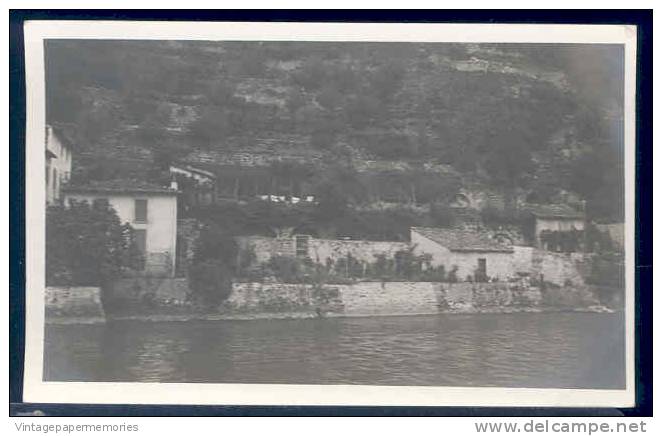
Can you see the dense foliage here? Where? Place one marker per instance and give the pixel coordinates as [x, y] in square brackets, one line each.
[214, 264]
[404, 265]
[87, 245]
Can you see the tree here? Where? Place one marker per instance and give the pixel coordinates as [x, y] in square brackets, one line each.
[508, 160]
[221, 94]
[166, 153]
[363, 109]
[211, 282]
[251, 64]
[330, 97]
[212, 125]
[312, 74]
[214, 263]
[151, 132]
[295, 101]
[333, 201]
[280, 219]
[87, 245]
[336, 190]
[322, 140]
[292, 175]
[598, 176]
[387, 80]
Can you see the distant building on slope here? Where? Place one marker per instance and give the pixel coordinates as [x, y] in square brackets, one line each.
[554, 218]
[58, 164]
[199, 185]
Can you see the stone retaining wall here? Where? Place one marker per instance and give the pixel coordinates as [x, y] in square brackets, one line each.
[283, 297]
[381, 298]
[158, 289]
[73, 302]
[389, 298]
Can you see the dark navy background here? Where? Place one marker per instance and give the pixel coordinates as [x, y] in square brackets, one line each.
[644, 212]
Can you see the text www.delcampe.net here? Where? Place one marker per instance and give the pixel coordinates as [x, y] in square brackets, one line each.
[560, 427]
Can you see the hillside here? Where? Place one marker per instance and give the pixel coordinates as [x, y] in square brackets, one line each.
[542, 121]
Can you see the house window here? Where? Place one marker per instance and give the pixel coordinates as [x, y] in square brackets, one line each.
[140, 211]
[301, 244]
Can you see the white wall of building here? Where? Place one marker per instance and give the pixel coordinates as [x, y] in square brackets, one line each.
[58, 168]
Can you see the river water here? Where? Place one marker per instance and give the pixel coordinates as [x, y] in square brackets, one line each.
[563, 350]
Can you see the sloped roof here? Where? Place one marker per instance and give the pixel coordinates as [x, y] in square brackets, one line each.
[553, 211]
[462, 239]
[119, 187]
[194, 169]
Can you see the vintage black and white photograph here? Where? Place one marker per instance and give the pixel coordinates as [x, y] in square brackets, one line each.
[291, 212]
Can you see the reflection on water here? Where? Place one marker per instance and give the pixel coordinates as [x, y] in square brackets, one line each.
[572, 350]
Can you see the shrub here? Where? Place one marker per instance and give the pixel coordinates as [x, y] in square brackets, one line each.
[407, 264]
[607, 270]
[211, 282]
[214, 265]
[348, 266]
[563, 241]
[452, 275]
[286, 269]
[434, 274]
[382, 267]
[598, 241]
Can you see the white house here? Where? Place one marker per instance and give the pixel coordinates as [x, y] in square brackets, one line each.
[150, 209]
[474, 254]
[58, 164]
[554, 217]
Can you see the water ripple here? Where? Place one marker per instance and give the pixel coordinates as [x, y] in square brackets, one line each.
[573, 350]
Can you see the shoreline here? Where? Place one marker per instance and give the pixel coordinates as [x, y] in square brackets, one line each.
[188, 317]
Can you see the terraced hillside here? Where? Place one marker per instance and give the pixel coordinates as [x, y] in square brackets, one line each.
[543, 121]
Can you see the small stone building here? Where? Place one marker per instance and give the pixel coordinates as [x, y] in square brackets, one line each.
[475, 254]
